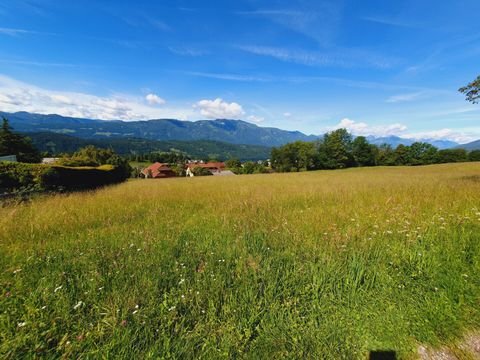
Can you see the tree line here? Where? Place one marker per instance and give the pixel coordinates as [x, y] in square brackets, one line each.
[339, 149]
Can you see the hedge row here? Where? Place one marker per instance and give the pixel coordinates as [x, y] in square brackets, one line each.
[15, 176]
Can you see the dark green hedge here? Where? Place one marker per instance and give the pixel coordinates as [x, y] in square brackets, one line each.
[15, 176]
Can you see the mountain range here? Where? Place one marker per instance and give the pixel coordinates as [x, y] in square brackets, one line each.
[230, 131]
[221, 130]
[474, 145]
[55, 144]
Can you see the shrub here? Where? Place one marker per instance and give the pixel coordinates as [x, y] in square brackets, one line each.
[200, 171]
[474, 155]
[20, 175]
[15, 176]
[452, 155]
[92, 156]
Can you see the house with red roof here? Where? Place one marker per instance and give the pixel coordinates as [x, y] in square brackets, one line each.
[158, 171]
[213, 167]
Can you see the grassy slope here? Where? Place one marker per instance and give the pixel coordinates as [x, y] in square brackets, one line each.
[324, 264]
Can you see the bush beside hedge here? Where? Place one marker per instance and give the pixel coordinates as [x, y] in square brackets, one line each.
[37, 177]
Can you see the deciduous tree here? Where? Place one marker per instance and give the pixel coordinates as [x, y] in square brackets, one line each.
[472, 91]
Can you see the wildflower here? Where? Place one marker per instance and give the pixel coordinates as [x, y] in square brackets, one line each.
[172, 308]
[43, 307]
[181, 281]
[22, 324]
[57, 288]
[80, 303]
[134, 312]
[17, 271]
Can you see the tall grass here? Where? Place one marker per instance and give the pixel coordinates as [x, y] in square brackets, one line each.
[327, 264]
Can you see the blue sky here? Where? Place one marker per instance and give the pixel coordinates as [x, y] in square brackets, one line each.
[375, 67]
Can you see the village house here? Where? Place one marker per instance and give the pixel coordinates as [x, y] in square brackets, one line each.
[216, 168]
[158, 171]
[9, 158]
[50, 160]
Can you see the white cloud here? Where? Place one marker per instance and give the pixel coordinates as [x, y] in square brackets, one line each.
[287, 114]
[318, 20]
[187, 51]
[405, 97]
[13, 32]
[219, 109]
[17, 32]
[19, 96]
[363, 129]
[154, 99]
[232, 77]
[255, 119]
[444, 134]
[391, 22]
[340, 57]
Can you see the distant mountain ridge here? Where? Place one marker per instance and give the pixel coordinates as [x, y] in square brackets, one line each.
[230, 131]
[56, 144]
[394, 141]
[223, 130]
[474, 145]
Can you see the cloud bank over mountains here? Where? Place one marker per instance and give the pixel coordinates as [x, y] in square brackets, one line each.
[400, 130]
[20, 96]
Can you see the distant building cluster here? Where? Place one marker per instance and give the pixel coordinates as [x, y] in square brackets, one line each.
[161, 170]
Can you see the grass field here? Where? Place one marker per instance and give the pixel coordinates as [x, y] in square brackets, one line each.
[327, 264]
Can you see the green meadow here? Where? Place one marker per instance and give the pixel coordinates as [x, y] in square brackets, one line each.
[321, 265]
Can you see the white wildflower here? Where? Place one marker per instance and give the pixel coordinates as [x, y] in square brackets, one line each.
[80, 303]
[22, 324]
[57, 288]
